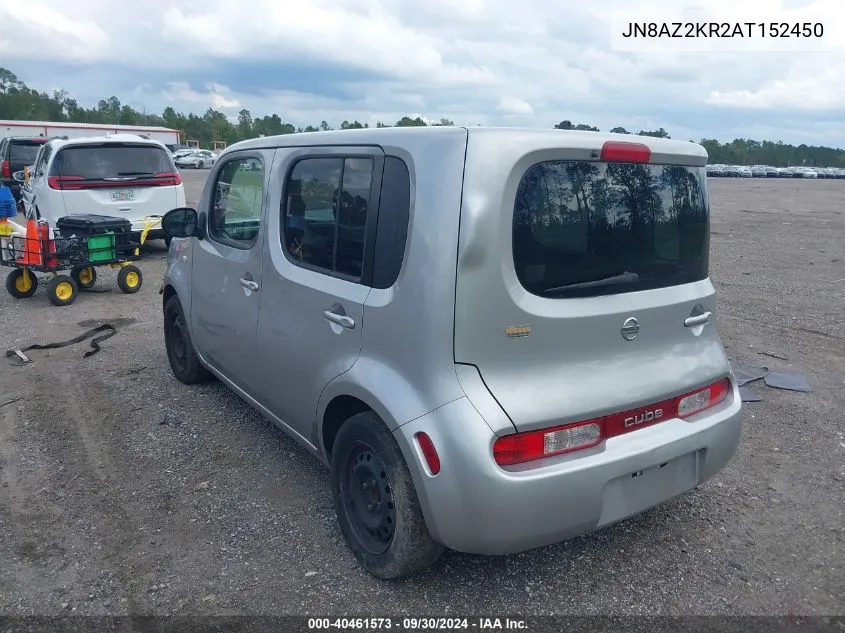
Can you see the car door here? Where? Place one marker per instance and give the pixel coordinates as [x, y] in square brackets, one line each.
[227, 264]
[36, 186]
[310, 325]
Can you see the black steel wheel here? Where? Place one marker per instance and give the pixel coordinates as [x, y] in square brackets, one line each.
[184, 361]
[369, 499]
[376, 502]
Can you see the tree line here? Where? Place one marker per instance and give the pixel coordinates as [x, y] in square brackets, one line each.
[22, 103]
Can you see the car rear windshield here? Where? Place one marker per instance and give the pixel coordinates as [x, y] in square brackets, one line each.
[588, 228]
[23, 152]
[98, 162]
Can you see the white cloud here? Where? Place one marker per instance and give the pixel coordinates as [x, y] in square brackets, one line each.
[472, 61]
[514, 105]
[216, 96]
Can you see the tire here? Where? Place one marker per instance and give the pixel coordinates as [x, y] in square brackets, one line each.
[201, 165]
[383, 525]
[20, 287]
[130, 279]
[183, 360]
[84, 277]
[167, 240]
[62, 290]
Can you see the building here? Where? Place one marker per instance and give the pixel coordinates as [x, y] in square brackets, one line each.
[76, 130]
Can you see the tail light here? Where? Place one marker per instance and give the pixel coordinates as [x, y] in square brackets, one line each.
[6, 169]
[66, 182]
[163, 179]
[624, 152]
[525, 447]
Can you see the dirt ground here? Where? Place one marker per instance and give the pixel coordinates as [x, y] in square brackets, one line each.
[124, 491]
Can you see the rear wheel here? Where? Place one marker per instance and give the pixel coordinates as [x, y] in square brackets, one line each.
[85, 278]
[21, 283]
[62, 290]
[376, 502]
[184, 362]
[201, 165]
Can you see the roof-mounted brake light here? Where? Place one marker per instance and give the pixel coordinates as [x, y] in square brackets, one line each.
[624, 152]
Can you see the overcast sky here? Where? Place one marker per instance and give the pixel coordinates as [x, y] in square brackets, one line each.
[489, 62]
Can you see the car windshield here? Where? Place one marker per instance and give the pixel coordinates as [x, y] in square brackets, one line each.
[111, 160]
[586, 228]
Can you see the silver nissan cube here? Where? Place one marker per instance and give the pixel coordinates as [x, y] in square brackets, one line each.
[496, 339]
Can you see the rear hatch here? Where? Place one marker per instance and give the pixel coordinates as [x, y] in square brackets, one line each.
[121, 179]
[583, 275]
[22, 153]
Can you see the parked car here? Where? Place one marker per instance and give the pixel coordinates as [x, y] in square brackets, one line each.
[17, 152]
[772, 172]
[759, 171]
[744, 171]
[119, 175]
[715, 171]
[784, 172]
[198, 159]
[536, 379]
[731, 171]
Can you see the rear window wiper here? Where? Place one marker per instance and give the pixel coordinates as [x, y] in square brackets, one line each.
[623, 278]
[148, 174]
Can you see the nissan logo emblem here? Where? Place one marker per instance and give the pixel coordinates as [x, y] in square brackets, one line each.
[630, 329]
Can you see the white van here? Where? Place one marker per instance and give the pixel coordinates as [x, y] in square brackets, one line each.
[117, 175]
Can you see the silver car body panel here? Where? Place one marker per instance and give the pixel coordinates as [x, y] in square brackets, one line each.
[431, 353]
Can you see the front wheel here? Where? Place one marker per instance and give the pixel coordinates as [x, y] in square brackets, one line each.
[21, 283]
[129, 279]
[376, 502]
[62, 290]
[184, 361]
[201, 165]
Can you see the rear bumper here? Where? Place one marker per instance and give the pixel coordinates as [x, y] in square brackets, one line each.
[474, 506]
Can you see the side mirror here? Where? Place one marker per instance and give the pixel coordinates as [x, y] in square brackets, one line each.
[19, 176]
[181, 222]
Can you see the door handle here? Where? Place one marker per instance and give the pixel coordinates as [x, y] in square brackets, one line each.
[341, 319]
[249, 284]
[698, 319]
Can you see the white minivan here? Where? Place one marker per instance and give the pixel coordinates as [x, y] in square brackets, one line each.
[117, 175]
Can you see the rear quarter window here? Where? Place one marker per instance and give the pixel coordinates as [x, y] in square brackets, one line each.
[589, 228]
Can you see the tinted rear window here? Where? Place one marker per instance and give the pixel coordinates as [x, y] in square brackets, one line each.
[111, 161]
[586, 228]
[23, 152]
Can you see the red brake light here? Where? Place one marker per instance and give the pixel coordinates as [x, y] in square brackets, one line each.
[429, 452]
[166, 179]
[65, 182]
[698, 401]
[7, 170]
[526, 447]
[532, 445]
[624, 152]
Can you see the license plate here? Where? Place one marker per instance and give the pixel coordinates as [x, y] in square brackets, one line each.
[122, 196]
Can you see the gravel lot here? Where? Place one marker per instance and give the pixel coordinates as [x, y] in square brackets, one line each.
[123, 491]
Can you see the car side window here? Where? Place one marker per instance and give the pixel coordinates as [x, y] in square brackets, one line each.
[42, 160]
[325, 213]
[235, 217]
